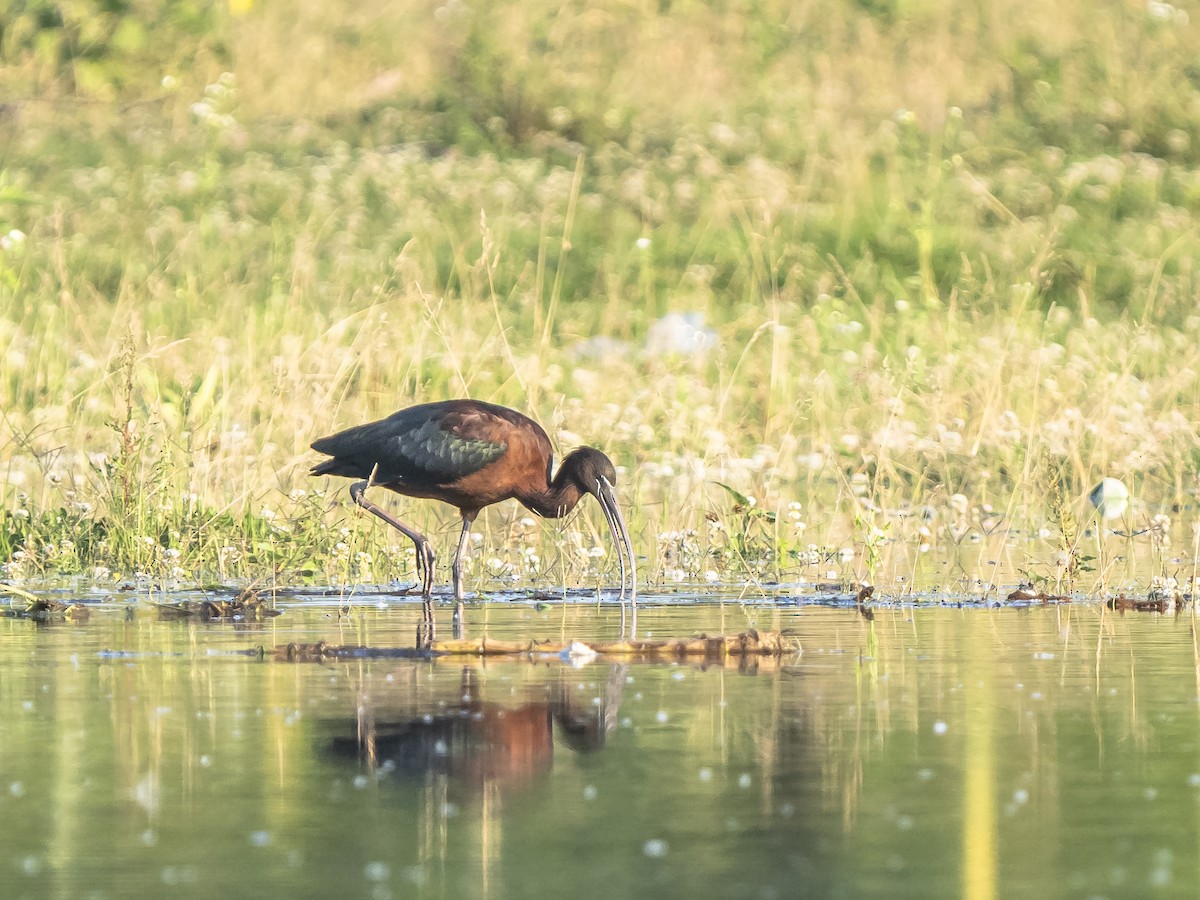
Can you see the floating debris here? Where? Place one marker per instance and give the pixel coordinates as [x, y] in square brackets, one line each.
[747, 643]
[714, 647]
[1155, 604]
[860, 602]
[1026, 594]
[246, 605]
[42, 610]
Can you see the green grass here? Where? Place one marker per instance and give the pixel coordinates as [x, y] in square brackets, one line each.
[943, 251]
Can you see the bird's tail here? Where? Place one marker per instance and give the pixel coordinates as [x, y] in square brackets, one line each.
[337, 466]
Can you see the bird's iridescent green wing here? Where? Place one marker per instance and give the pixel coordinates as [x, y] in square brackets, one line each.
[443, 448]
[429, 444]
[444, 445]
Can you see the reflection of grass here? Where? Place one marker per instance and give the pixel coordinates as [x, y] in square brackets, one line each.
[919, 286]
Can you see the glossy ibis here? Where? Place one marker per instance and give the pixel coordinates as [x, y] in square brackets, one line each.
[471, 454]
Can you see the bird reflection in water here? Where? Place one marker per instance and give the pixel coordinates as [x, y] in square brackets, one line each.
[477, 742]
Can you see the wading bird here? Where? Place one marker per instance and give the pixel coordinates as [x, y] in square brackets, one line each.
[471, 454]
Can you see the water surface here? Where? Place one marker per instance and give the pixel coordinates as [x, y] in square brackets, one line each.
[977, 752]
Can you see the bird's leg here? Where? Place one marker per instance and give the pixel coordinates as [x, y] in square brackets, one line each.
[427, 629]
[424, 548]
[631, 633]
[457, 568]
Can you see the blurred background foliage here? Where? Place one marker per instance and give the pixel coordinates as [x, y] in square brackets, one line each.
[903, 132]
[109, 49]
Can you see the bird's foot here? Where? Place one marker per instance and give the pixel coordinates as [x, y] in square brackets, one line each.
[459, 623]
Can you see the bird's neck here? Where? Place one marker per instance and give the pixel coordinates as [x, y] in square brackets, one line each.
[557, 499]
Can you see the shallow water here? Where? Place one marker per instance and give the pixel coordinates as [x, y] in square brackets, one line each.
[975, 752]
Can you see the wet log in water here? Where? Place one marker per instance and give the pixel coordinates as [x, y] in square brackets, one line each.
[746, 644]
[1155, 603]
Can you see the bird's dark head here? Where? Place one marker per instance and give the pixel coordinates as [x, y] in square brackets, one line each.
[593, 473]
[588, 469]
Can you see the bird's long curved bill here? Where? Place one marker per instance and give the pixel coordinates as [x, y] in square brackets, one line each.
[616, 522]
